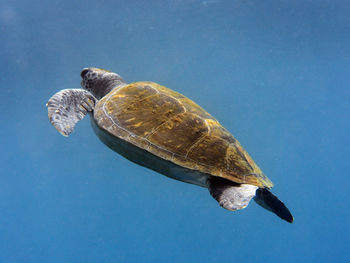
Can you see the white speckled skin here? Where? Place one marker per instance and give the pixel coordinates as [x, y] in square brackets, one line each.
[69, 106]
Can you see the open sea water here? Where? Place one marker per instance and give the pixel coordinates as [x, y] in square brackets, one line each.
[275, 73]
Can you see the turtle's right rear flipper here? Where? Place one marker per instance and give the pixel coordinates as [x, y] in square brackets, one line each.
[269, 201]
[69, 106]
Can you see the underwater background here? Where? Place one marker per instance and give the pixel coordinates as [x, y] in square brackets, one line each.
[274, 73]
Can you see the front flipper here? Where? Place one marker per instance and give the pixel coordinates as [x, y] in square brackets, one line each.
[69, 106]
[230, 195]
[270, 202]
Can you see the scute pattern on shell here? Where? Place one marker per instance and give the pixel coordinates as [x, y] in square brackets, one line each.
[175, 128]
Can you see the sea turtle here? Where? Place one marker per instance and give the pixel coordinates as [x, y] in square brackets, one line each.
[163, 130]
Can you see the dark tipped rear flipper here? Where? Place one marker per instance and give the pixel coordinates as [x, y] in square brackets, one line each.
[270, 202]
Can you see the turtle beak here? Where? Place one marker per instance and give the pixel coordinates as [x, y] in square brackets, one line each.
[84, 72]
[95, 70]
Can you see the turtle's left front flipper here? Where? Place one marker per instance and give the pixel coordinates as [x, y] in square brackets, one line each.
[69, 106]
[269, 201]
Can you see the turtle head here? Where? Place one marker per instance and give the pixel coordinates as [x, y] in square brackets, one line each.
[99, 81]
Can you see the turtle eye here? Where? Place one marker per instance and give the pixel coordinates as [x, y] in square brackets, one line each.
[84, 72]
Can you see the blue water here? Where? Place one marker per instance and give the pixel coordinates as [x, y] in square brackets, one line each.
[274, 73]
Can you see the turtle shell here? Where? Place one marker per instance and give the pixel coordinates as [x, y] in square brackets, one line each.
[173, 127]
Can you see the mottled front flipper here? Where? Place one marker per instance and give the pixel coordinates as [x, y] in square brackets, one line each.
[270, 202]
[69, 106]
[230, 195]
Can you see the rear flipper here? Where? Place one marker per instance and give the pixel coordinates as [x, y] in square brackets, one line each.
[270, 202]
[230, 195]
